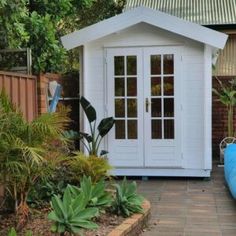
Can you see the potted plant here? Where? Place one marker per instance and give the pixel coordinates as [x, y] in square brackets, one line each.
[227, 96]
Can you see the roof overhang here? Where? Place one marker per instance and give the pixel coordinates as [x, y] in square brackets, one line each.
[153, 17]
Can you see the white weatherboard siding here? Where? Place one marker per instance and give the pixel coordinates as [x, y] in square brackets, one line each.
[193, 106]
[193, 144]
[207, 107]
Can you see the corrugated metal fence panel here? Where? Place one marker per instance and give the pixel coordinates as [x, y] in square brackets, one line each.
[22, 90]
[204, 12]
[226, 63]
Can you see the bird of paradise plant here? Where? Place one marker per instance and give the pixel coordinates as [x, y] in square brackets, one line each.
[92, 140]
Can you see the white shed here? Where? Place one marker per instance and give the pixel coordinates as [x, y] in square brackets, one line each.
[153, 73]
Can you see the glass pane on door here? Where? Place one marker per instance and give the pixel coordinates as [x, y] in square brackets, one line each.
[169, 129]
[120, 129]
[168, 107]
[168, 64]
[132, 86]
[131, 65]
[156, 129]
[156, 106]
[119, 65]
[156, 86]
[119, 87]
[168, 85]
[156, 64]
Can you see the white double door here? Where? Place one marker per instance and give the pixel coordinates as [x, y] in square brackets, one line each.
[143, 94]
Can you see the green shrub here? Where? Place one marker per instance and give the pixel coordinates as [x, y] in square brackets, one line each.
[95, 194]
[70, 213]
[96, 167]
[42, 192]
[127, 201]
[12, 232]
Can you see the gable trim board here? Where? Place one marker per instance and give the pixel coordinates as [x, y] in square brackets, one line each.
[153, 17]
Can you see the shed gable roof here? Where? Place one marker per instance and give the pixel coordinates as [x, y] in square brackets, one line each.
[203, 12]
[142, 14]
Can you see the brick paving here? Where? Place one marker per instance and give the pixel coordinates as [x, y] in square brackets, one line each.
[190, 207]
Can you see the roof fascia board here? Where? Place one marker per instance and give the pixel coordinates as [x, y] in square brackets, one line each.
[147, 15]
[187, 29]
[101, 29]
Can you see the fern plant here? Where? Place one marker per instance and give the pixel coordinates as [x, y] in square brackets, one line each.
[127, 201]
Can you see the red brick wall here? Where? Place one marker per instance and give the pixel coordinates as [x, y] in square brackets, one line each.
[70, 88]
[42, 87]
[219, 119]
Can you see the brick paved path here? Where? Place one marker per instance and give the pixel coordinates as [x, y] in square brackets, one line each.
[190, 207]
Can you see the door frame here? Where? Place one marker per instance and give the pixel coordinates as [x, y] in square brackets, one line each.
[161, 49]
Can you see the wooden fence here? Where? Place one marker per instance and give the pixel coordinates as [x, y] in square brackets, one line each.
[22, 90]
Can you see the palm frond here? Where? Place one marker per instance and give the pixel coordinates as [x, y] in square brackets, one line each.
[32, 154]
[50, 125]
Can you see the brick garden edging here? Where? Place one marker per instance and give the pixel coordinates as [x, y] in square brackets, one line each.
[132, 225]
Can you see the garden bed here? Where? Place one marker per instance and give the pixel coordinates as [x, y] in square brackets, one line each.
[40, 225]
[109, 224]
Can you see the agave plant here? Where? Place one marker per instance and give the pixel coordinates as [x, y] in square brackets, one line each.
[26, 153]
[227, 96]
[92, 140]
[70, 213]
[95, 194]
[127, 201]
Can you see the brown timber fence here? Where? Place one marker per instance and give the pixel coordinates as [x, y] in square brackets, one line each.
[22, 90]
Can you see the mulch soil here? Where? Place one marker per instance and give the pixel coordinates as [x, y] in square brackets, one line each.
[40, 225]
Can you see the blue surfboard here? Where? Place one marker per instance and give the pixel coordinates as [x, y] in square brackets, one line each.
[55, 99]
[230, 168]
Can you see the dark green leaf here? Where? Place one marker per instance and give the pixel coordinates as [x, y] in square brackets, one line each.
[88, 109]
[105, 126]
[86, 136]
[103, 152]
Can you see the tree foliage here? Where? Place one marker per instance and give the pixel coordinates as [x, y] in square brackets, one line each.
[48, 53]
[12, 23]
[39, 24]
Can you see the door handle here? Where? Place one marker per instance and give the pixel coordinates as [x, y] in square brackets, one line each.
[147, 103]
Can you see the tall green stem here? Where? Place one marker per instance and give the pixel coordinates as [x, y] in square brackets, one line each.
[93, 151]
[230, 121]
